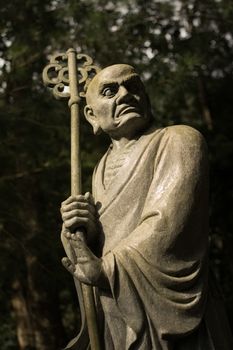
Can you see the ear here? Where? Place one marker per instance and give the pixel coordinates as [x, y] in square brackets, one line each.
[92, 119]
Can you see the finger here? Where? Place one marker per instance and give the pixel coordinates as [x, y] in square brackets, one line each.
[75, 270]
[76, 222]
[68, 265]
[75, 213]
[80, 275]
[79, 216]
[83, 253]
[87, 196]
[76, 238]
[71, 199]
[78, 205]
[67, 234]
[63, 229]
[68, 200]
[75, 205]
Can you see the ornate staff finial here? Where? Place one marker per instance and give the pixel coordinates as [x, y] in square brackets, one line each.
[69, 74]
[56, 74]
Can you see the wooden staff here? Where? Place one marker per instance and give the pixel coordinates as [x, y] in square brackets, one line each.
[63, 71]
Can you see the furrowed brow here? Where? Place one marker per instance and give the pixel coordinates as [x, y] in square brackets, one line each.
[131, 77]
[113, 82]
[107, 83]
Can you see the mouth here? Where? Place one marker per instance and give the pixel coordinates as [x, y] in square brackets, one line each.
[127, 110]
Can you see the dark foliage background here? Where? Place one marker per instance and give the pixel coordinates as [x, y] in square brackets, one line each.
[184, 52]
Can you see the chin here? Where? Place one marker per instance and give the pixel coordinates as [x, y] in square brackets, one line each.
[130, 125]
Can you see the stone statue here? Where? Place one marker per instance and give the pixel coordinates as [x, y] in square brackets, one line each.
[146, 227]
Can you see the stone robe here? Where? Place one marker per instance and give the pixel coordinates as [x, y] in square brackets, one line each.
[154, 242]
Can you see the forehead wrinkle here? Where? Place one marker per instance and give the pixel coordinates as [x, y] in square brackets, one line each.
[117, 80]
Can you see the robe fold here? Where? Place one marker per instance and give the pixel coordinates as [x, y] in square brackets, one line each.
[154, 218]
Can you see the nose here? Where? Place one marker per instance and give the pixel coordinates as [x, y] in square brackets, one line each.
[123, 95]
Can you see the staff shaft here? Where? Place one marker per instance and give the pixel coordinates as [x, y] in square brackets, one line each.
[75, 163]
[87, 291]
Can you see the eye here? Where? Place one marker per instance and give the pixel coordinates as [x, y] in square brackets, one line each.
[109, 91]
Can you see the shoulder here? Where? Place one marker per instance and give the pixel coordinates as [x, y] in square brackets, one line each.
[178, 132]
[180, 143]
[183, 131]
[184, 135]
[173, 139]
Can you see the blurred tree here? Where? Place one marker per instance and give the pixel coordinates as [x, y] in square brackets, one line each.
[183, 50]
[28, 133]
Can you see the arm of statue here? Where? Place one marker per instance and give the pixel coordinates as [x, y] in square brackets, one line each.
[88, 268]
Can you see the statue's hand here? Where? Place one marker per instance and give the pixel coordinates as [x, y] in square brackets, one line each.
[80, 212]
[87, 268]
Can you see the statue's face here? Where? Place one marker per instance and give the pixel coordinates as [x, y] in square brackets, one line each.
[117, 102]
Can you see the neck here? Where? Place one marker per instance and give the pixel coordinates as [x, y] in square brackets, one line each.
[122, 139]
[117, 144]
